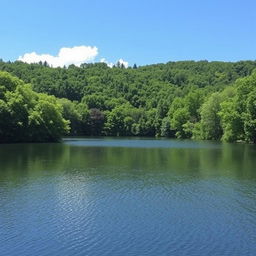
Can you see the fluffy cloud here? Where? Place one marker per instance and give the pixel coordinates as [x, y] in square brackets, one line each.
[125, 63]
[66, 56]
[110, 64]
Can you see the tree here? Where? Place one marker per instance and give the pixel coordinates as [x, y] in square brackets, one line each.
[71, 113]
[186, 98]
[180, 117]
[96, 121]
[210, 119]
[250, 118]
[231, 121]
[26, 115]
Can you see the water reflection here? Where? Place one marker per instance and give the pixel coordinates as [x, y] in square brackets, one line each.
[127, 197]
[35, 160]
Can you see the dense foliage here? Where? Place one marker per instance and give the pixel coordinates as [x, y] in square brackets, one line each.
[187, 99]
[26, 115]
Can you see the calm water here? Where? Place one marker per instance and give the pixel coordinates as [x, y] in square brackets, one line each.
[127, 197]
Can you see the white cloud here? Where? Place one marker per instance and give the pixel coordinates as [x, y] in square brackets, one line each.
[125, 63]
[74, 55]
[66, 56]
[110, 64]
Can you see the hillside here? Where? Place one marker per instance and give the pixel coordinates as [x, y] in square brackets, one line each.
[186, 99]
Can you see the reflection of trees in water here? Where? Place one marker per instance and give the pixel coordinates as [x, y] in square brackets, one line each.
[18, 160]
[34, 160]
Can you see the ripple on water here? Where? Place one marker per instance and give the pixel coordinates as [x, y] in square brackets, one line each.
[103, 204]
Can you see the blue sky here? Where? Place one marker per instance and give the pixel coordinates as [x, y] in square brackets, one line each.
[142, 31]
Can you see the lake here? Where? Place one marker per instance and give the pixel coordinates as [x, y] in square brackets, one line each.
[112, 196]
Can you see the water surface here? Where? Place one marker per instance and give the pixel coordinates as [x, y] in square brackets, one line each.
[127, 197]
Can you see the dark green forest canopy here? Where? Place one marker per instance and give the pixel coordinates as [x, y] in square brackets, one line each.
[186, 99]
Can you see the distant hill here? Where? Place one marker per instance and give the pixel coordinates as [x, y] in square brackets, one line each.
[185, 99]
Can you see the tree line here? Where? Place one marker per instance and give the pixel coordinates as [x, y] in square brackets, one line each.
[186, 99]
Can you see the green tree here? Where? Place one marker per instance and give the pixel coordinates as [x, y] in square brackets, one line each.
[210, 119]
[26, 115]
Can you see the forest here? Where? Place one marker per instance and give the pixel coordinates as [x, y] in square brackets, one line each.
[184, 99]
